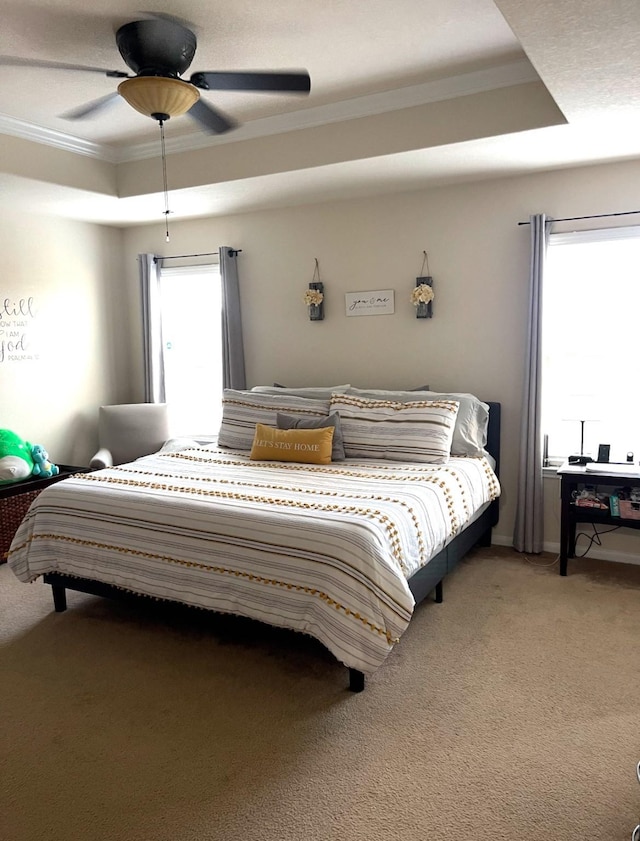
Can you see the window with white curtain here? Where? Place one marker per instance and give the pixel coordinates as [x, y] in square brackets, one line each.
[591, 307]
[190, 307]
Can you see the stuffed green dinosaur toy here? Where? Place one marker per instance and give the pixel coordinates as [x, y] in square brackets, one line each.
[16, 461]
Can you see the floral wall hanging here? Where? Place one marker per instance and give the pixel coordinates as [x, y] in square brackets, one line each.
[314, 296]
[423, 294]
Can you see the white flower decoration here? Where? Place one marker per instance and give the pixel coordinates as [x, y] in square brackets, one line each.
[313, 296]
[422, 294]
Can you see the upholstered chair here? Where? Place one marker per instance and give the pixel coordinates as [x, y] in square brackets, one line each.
[128, 431]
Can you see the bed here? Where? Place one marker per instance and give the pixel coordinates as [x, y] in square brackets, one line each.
[342, 550]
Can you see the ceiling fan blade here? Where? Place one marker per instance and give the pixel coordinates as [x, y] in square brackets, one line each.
[14, 61]
[210, 119]
[91, 109]
[256, 80]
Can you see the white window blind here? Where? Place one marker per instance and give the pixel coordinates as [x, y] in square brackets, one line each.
[191, 306]
[591, 305]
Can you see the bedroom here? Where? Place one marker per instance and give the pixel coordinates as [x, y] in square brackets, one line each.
[84, 278]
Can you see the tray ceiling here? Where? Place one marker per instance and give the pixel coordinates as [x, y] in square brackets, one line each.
[571, 67]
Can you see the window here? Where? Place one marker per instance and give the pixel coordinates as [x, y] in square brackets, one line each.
[591, 306]
[190, 313]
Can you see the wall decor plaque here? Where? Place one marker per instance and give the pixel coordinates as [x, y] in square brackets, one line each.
[376, 302]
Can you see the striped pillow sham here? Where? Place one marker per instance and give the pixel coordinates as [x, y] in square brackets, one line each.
[470, 433]
[418, 431]
[242, 410]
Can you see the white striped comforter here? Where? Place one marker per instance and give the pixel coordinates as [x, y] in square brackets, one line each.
[326, 550]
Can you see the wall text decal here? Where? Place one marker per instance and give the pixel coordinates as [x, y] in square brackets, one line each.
[16, 317]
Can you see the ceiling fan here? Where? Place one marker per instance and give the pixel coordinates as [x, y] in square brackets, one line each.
[159, 50]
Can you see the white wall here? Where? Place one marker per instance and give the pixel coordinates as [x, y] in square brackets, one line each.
[84, 282]
[70, 344]
[479, 259]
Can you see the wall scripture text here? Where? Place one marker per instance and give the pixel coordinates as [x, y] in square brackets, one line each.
[16, 318]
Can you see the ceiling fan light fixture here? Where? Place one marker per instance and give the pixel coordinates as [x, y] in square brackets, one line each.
[159, 95]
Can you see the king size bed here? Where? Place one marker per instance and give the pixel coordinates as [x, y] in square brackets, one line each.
[340, 547]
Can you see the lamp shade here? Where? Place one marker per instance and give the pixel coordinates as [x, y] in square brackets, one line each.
[159, 95]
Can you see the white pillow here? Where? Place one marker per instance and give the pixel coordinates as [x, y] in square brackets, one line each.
[406, 395]
[176, 445]
[418, 431]
[470, 433]
[313, 392]
[242, 410]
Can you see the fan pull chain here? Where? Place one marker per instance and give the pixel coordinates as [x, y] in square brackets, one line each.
[164, 182]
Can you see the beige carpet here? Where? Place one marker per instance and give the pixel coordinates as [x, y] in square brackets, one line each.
[510, 711]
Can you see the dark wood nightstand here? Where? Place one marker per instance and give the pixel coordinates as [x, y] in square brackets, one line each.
[16, 497]
[601, 475]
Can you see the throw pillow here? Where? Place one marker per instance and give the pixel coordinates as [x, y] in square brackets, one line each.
[292, 422]
[309, 446]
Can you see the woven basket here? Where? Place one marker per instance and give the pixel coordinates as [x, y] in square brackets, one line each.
[12, 511]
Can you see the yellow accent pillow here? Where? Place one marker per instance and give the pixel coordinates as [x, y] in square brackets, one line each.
[309, 446]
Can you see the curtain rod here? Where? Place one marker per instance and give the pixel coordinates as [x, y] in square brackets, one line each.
[596, 216]
[233, 251]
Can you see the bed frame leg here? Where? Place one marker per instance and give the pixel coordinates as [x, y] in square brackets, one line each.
[485, 539]
[356, 680]
[59, 597]
[438, 596]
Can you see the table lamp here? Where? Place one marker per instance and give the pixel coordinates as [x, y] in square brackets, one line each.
[580, 408]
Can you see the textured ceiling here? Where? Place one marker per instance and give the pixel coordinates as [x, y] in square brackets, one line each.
[586, 51]
[349, 48]
[373, 58]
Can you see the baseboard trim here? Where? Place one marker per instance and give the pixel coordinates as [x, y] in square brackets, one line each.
[596, 552]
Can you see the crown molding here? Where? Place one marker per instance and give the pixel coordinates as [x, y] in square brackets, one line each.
[465, 84]
[505, 75]
[58, 139]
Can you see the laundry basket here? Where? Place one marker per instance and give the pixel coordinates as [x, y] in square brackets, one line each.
[16, 499]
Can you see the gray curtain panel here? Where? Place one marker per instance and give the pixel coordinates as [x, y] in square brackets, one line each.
[152, 345]
[233, 371]
[529, 526]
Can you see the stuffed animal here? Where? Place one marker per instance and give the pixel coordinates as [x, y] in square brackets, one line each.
[42, 466]
[16, 462]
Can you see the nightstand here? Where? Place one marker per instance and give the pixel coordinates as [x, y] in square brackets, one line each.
[602, 476]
